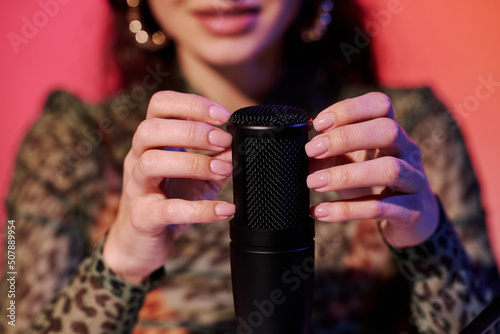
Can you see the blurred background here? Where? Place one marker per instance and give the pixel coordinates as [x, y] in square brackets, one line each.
[453, 46]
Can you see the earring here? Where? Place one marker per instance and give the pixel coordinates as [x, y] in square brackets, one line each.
[321, 23]
[154, 42]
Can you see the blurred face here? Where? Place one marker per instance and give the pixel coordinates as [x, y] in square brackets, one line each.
[225, 32]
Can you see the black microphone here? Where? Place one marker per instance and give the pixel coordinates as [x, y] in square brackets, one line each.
[272, 234]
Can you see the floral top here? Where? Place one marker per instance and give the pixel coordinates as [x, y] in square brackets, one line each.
[65, 194]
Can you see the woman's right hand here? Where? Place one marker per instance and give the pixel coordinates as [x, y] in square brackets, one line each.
[166, 191]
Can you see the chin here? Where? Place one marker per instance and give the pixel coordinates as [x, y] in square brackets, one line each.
[229, 53]
[225, 59]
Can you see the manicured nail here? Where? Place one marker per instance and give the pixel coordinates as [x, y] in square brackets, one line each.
[318, 180]
[220, 138]
[219, 113]
[321, 211]
[317, 146]
[323, 122]
[224, 209]
[221, 167]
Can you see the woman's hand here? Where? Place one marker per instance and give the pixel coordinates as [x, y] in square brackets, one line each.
[365, 156]
[164, 191]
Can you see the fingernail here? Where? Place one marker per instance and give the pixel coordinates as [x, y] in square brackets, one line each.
[317, 146]
[219, 113]
[323, 122]
[321, 211]
[318, 180]
[220, 138]
[221, 167]
[224, 209]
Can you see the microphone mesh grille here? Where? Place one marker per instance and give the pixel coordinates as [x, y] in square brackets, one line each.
[277, 197]
[272, 169]
[269, 115]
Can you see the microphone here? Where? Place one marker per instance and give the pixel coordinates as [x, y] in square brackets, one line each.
[272, 234]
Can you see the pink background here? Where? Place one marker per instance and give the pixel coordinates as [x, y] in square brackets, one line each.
[448, 45]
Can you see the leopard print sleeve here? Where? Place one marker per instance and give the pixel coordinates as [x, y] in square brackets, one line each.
[447, 292]
[96, 300]
[47, 201]
[57, 194]
[453, 275]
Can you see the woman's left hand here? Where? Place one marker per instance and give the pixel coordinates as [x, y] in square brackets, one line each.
[365, 156]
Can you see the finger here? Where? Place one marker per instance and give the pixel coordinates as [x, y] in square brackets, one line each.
[170, 104]
[355, 110]
[177, 211]
[156, 132]
[226, 155]
[316, 165]
[155, 165]
[396, 174]
[381, 133]
[403, 209]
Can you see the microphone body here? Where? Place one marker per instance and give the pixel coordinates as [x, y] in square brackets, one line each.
[272, 234]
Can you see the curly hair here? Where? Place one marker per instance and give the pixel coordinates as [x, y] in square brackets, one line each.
[347, 15]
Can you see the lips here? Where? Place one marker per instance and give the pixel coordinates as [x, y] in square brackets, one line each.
[228, 20]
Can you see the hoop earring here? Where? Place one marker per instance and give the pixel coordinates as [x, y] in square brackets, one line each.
[144, 39]
[321, 22]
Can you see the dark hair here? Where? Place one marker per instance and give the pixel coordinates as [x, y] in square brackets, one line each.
[133, 60]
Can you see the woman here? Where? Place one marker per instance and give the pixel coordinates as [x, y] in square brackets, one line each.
[139, 162]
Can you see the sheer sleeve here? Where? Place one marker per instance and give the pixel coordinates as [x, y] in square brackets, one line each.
[56, 195]
[453, 275]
